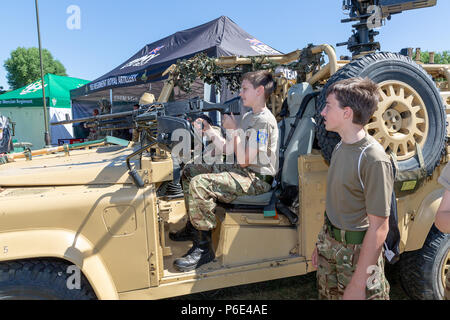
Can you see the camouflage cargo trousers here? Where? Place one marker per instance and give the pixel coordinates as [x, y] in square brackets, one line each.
[336, 265]
[204, 185]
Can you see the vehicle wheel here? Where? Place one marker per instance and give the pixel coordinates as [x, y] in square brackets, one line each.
[43, 279]
[423, 272]
[410, 110]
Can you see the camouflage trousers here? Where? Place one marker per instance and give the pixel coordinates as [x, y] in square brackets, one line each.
[336, 265]
[204, 185]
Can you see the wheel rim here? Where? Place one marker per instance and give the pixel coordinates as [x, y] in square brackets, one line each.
[445, 268]
[400, 120]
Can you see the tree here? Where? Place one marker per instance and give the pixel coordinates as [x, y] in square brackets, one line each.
[439, 57]
[23, 67]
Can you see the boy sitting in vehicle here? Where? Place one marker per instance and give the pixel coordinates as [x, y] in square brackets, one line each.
[254, 143]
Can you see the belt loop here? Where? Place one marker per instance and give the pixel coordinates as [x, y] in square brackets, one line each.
[343, 240]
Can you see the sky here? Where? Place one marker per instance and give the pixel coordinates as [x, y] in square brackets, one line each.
[111, 31]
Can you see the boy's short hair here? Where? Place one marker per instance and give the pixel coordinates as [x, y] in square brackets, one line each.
[360, 94]
[261, 78]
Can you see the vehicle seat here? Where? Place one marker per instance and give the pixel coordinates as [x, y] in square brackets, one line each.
[260, 200]
[301, 143]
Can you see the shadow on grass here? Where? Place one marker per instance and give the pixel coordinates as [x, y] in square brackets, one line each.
[294, 288]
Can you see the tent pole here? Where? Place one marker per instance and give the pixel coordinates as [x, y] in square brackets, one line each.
[111, 111]
[47, 139]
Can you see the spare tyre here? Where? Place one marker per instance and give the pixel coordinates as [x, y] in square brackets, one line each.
[410, 111]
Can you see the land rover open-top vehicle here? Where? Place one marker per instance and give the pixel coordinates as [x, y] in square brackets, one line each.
[92, 220]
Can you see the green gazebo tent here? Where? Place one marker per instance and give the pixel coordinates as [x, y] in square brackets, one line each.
[24, 106]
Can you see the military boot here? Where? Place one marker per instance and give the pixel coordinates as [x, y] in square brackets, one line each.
[185, 234]
[200, 253]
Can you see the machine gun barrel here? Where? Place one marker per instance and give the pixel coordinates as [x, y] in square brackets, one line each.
[109, 122]
[192, 106]
[100, 117]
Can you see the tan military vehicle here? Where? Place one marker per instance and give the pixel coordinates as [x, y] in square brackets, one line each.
[85, 223]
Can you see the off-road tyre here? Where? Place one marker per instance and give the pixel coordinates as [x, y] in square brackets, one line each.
[40, 279]
[421, 271]
[391, 67]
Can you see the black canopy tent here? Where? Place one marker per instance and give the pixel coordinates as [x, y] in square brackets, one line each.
[143, 71]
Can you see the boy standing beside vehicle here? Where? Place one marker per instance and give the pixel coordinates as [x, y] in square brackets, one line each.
[349, 252]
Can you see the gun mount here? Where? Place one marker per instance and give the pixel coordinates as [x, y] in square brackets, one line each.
[370, 14]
